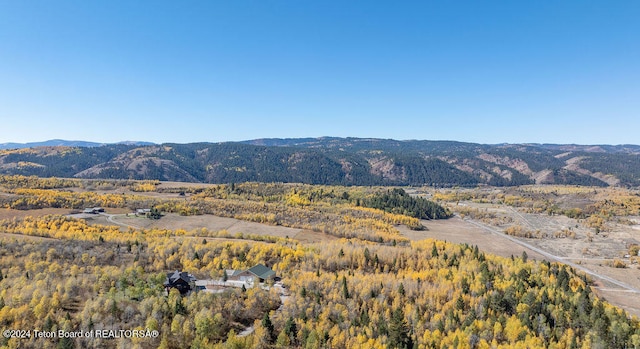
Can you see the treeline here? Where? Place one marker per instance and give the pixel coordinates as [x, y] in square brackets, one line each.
[34, 182]
[11, 182]
[399, 202]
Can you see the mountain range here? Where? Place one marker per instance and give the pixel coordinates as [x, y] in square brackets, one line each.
[331, 160]
[62, 142]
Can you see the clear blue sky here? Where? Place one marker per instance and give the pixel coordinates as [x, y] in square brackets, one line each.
[188, 71]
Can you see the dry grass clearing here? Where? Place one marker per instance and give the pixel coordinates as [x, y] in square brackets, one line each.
[9, 236]
[173, 221]
[7, 213]
[626, 300]
[458, 231]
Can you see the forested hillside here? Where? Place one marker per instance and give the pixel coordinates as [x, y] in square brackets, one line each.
[341, 161]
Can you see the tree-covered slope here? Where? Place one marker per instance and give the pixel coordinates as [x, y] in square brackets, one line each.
[344, 161]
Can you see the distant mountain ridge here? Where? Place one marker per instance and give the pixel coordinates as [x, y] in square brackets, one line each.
[333, 160]
[337, 141]
[64, 143]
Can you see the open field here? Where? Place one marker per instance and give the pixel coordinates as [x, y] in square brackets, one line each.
[24, 237]
[173, 221]
[209, 222]
[585, 242]
[459, 231]
[10, 214]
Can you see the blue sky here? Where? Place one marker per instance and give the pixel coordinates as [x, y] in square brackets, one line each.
[191, 71]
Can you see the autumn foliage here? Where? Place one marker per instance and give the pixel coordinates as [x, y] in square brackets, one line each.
[359, 291]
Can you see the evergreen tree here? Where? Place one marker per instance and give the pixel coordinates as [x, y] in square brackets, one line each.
[65, 343]
[399, 336]
[345, 288]
[268, 325]
[179, 307]
[48, 323]
[291, 330]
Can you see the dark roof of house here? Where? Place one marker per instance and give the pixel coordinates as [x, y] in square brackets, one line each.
[175, 276]
[262, 272]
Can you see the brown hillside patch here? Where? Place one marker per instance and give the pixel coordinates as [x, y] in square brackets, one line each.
[516, 164]
[385, 168]
[7, 213]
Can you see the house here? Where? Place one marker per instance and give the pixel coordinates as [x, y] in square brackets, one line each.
[258, 273]
[262, 272]
[240, 275]
[182, 281]
[93, 210]
[143, 211]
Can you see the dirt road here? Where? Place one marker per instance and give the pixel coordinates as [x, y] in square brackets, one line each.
[556, 258]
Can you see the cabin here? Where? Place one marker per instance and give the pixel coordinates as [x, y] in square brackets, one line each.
[259, 273]
[182, 281]
[262, 272]
[93, 210]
